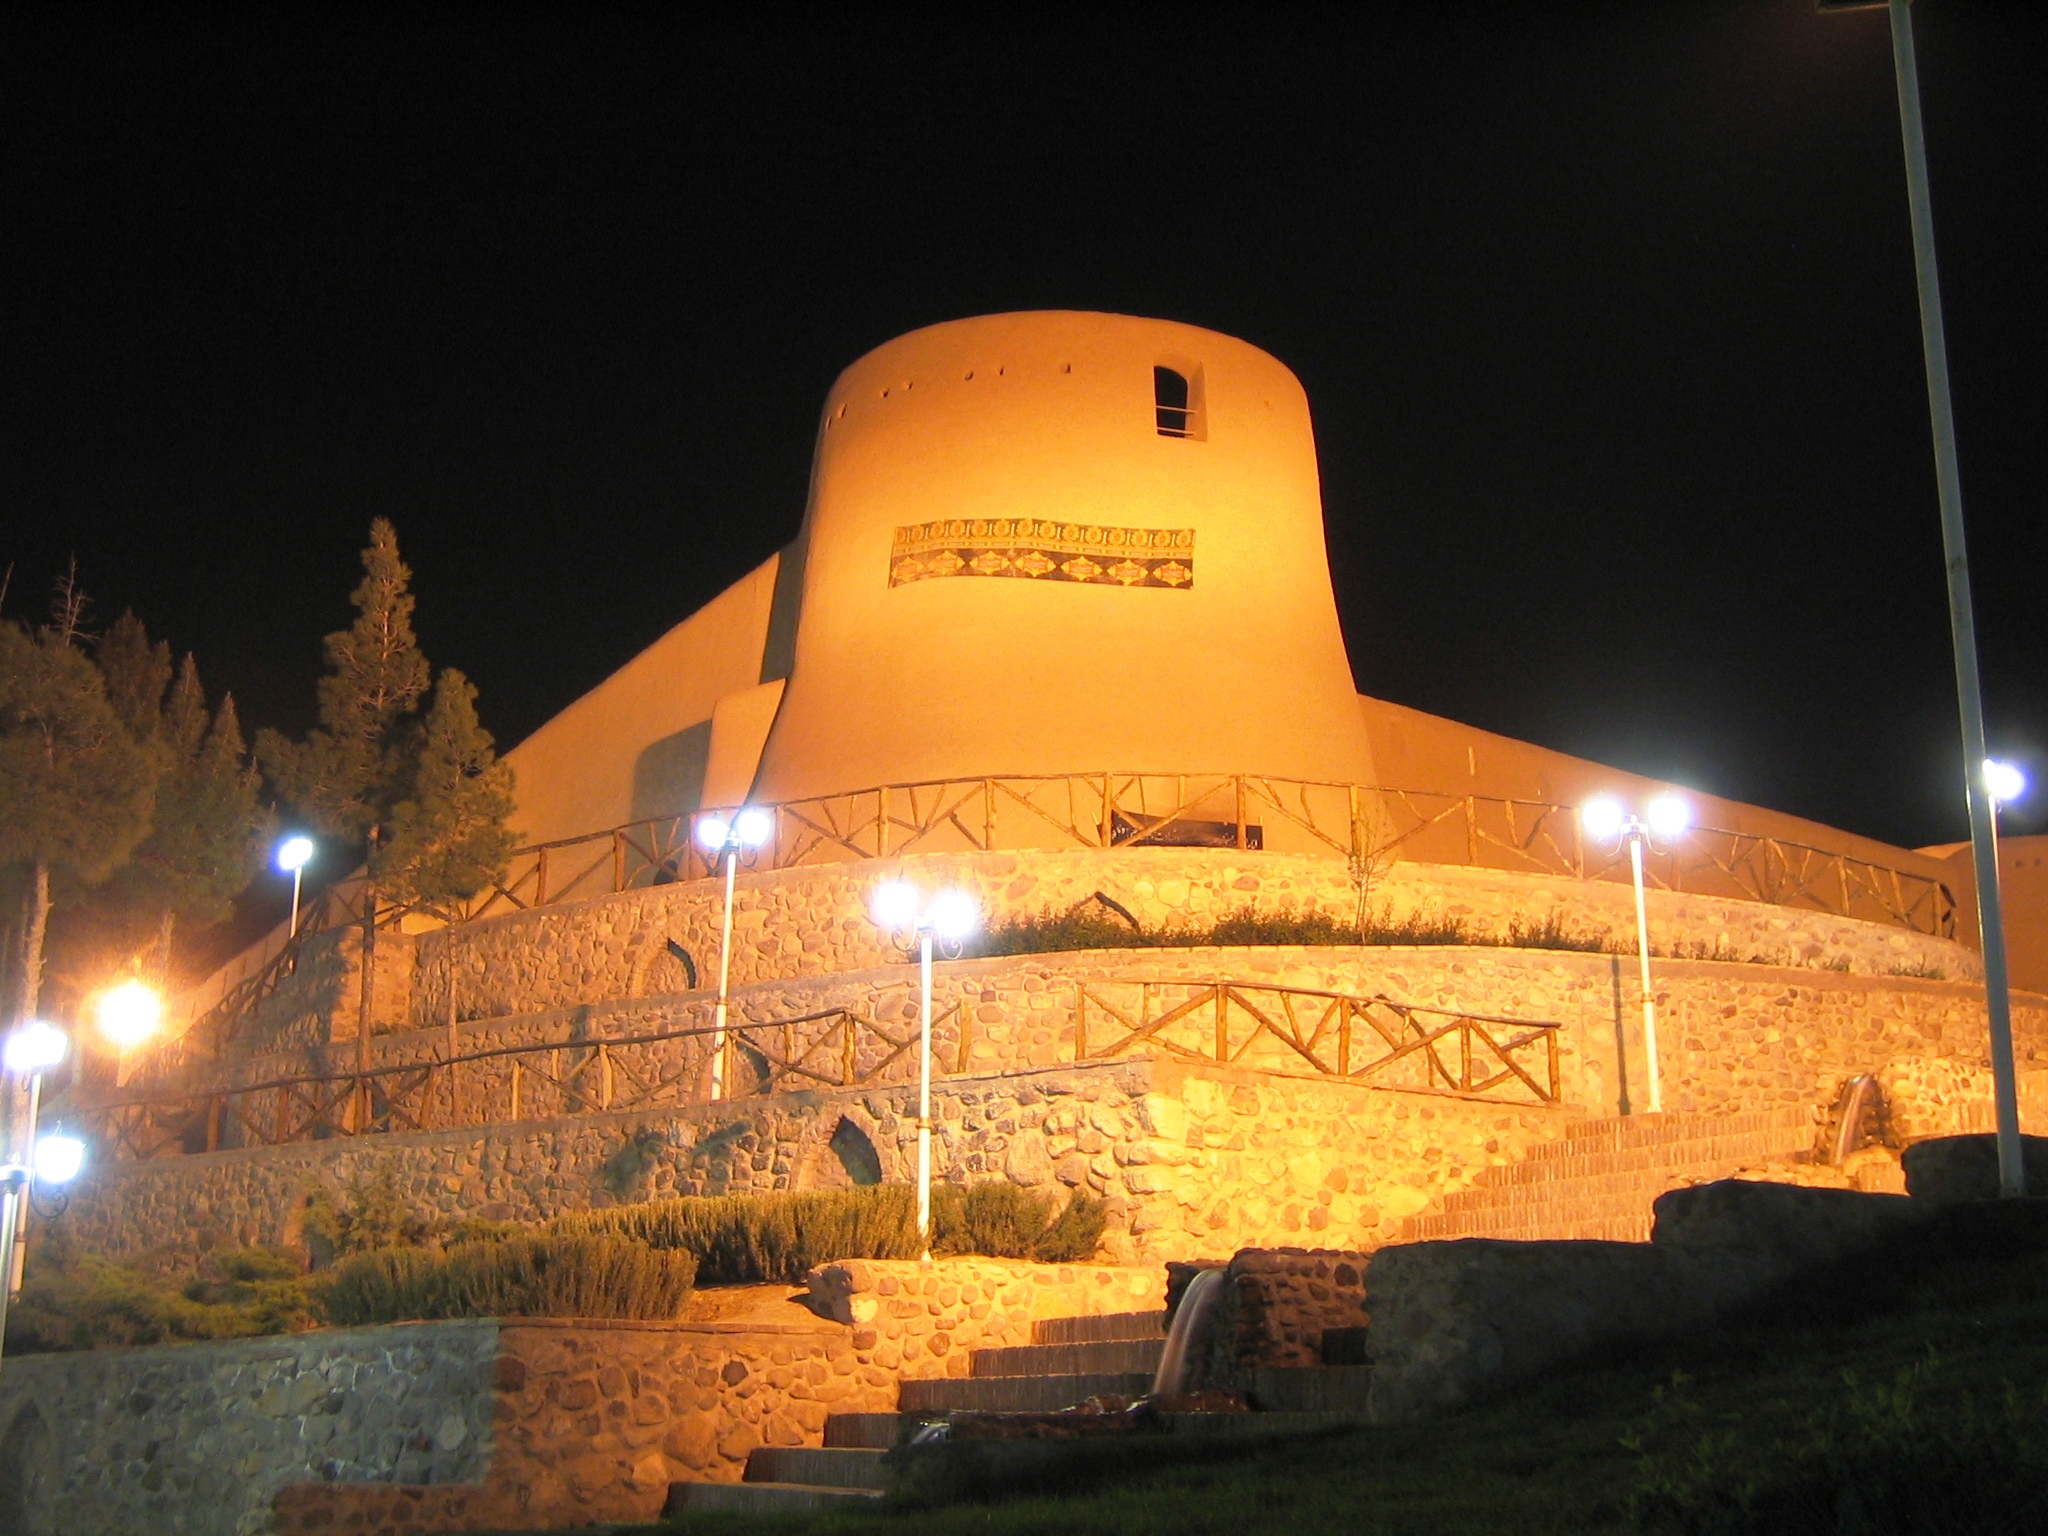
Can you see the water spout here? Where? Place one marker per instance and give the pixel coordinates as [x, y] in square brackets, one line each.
[1205, 1293]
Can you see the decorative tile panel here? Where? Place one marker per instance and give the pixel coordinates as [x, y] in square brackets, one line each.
[1042, 549]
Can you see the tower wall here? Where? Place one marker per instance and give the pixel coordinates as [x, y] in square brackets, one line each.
[1197, 633]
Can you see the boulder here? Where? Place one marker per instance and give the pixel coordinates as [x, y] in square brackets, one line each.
[1947, 1170]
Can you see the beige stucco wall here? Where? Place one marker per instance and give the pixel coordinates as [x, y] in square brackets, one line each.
[1050, 416]
[2023, 895]
[638, 743]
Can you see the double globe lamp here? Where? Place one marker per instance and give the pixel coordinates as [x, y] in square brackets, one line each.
[27, 1053]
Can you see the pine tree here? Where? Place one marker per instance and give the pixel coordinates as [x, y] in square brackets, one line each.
[76, 787]
[448, 836]
[206, 841]
[137, 674]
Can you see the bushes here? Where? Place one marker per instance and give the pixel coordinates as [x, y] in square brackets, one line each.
[81, 1301]
[531, 1276]
[741, 1239]
[1006, 1222]
[1090, 924]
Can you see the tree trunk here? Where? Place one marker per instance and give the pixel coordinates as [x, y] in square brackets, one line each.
[34, 926]
[165, 927]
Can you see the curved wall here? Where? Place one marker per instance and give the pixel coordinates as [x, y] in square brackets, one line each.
[1026, 441]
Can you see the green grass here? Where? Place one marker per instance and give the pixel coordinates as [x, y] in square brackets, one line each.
[1902, 1394]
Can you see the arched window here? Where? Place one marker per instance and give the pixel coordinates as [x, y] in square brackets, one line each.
[1177, 399]
[856, 1153]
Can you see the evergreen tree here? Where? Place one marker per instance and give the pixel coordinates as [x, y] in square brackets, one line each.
[448, 836]
[137, 674]
[76, 787]
[351, 772]
[205, 843]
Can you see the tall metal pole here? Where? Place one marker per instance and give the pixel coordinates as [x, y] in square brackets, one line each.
[924, 1093]
[16, 1178]
[1962, 622]
[732, 858]
[297, 874]
[1635, 837]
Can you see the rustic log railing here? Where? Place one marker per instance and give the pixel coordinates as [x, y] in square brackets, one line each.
[1365, 825]
[1373, 1041]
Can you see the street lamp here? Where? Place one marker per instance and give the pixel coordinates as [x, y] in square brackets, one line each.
[1962, 622]
[1665, 817]
[725, 839]
[950, 915]
[27, 1053]
[293, 854]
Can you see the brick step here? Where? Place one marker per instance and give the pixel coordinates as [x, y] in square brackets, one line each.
[1645, 1182]
[762, 1498]
[1118, 1356]
[862, 1431]
[1611, 1229]
[1102, 1328]
[1619, 1131]
[834, 1467]
[1016, 1394]
[1707, 1150]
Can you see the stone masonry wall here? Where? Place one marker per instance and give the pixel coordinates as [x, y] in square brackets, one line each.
[814, 921]
[195, 1439]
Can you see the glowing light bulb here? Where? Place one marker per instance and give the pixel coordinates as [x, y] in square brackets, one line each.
[954, 915]
[713, 832]
[130, 1013]
[1601, 818]
[2003, 782]
[294, 854]
[896, 905]
[35, 1047]
[753, 826]
[58, 1158]
[1669, 815]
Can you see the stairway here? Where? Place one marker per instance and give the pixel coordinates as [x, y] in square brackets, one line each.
[1599, 1179]
[1068, 1360]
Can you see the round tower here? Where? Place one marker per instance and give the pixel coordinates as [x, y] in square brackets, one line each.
[1064, 543]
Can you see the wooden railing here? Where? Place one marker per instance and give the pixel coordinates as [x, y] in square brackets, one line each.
[1364, 825]
[1373, 1041]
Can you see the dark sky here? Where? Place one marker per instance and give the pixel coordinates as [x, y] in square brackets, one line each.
[1606, 314]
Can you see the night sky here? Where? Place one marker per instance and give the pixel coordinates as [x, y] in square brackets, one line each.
[1606, 314]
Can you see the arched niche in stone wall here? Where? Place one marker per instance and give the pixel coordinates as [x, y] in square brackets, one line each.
[28, 1476]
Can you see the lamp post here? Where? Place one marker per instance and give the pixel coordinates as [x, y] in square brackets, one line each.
[293, 854]
[951, 915]
[27, 1053]
[1962, 623]
[1605, 820]
[725, 839]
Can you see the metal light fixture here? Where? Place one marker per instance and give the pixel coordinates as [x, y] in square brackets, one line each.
[951, 915]
[293, 855]
[27, 1053]
[746, 831]
[1605, 820]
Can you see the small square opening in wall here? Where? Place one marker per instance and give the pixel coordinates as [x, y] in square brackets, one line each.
[1177, 400]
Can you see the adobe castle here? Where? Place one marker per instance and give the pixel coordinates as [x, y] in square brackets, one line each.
[1058, 630]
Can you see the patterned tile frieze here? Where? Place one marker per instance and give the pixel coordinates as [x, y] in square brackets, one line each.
[1041, 549]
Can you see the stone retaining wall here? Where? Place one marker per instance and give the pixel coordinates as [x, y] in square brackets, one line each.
[814, 922]
[195, 1439]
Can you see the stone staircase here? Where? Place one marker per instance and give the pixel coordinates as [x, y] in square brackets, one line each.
[1069, 1360]
[1599, 1179]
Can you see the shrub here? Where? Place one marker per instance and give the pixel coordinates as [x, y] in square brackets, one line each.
[82, 1301]
[371, 1214]
[1000, 1219]
[739, 1239]
[1551, 933]
[536, 1276]
[1089, 924]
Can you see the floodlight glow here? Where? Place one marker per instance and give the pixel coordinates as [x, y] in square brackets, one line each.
[753, 826]
[896, 905]
[1601, 818]
[2003, 782]
[953, 915]
[35, 1047]
[1669, 815]
[130, 1013]
[294, 854]
[58, 1159]
[713, 832]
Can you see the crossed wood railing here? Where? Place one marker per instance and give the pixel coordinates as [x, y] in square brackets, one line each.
[1363, 824]
[1374, 1041]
